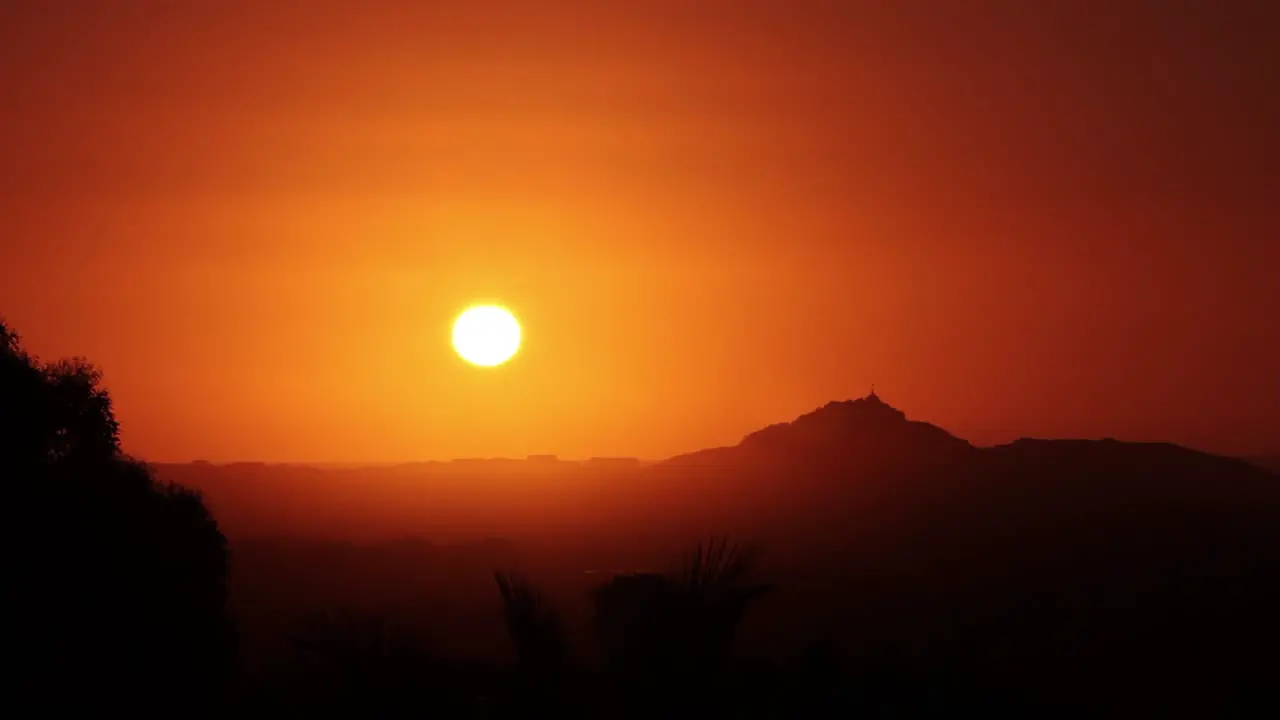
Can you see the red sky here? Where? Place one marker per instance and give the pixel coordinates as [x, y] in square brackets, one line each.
[1015, 218]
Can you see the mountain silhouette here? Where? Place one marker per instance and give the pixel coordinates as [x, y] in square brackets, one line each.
[862, 432]
[846, 449]
[1072, 557]
[848, 466]
[1137, 577]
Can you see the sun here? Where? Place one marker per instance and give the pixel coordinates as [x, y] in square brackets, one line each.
[486, 335]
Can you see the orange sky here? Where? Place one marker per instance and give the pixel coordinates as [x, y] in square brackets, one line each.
[260, 217]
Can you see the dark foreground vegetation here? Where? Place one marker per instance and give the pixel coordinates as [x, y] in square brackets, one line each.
[900, 572]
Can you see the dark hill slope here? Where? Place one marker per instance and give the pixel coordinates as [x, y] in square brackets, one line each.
[1107, 574]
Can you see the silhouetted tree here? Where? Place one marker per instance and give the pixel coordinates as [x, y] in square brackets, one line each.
[116, 583]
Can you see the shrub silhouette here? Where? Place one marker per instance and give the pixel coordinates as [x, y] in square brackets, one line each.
[666, 640]
[117, 582]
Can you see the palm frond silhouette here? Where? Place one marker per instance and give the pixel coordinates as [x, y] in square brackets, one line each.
[532, 624]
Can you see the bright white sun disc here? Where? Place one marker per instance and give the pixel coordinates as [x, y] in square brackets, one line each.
[486, 335]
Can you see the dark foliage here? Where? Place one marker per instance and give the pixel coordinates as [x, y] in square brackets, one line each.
[666, 640]
[116, 583]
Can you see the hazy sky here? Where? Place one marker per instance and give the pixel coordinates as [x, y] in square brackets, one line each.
[1015, 218]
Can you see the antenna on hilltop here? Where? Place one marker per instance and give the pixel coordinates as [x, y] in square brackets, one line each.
[873, 390]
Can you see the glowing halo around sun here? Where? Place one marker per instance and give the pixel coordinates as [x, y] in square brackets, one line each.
[486, 335]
